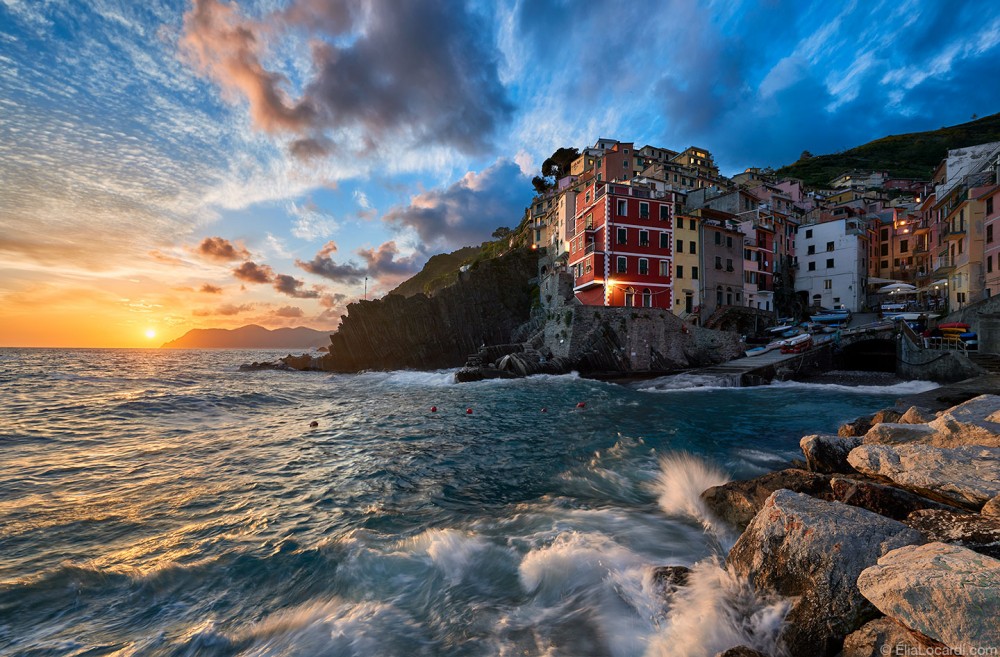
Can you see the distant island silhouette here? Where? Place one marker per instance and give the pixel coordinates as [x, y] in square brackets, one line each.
[251, 337]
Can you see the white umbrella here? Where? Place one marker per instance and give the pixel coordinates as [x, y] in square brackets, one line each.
[895, 288]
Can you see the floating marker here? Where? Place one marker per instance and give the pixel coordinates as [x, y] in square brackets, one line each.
[581, 404]
[434, 409]
[314, 424]
[545, 410]
[468, 411]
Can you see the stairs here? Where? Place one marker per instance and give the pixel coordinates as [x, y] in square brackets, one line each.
[989, 362]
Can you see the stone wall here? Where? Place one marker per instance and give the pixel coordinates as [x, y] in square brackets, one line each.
[984, 318]
[916, 363]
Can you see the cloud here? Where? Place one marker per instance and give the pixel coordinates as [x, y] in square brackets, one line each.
[225, 310]
[210, 289]
[469, 210]
[293, 287]
[323, 265]
[289, 312]
[332, 300]
[311, 223]
[251, 272]
[382, 262]
[418, 71]
[219, 248]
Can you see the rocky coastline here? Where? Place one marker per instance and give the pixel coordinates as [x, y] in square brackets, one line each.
[886, 539]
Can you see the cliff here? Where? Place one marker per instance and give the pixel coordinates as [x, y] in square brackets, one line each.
[250, 337]
[484, 306]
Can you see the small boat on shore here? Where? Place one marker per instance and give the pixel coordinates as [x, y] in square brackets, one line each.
[797, 345]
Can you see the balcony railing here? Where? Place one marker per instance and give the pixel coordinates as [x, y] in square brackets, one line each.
[944, 262]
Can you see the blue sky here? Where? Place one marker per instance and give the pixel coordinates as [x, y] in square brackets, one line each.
[324, 141]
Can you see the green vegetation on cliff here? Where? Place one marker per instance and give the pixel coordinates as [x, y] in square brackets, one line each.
[912, 155]
[440, 271]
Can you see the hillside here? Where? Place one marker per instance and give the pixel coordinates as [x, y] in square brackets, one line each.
[440, 271]
[913, 155]
[251, 337]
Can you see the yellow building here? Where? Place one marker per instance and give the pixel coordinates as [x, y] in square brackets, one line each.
[687, 274]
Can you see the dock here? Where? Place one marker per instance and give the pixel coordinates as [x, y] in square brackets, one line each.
[763, 368]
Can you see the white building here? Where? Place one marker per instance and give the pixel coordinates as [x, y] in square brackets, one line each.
[833, 263]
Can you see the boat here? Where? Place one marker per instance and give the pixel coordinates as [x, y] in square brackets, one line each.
[835, 318]
[797, 345]
[757, 351]
[953, 325]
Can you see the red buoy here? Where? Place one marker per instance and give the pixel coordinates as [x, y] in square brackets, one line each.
[544, 410]
[434, 409]
[581, 404]
[468, 411]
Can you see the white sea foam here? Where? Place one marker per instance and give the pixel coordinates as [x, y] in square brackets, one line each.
[904, 388]
[687, 382]
[433, 379]
[715, 611]
[680, 483]
[453, 552]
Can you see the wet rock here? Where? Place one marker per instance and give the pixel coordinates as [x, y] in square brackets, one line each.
[945, 592]
[264, 365]
[741, 651]
[916, 415]
[814, 550]
[888, 501]
[966, 476]
[827, 453]
[884, 636]
[992, 508]
[469, 374]
[970, 530]
[668, 579]
[737, 502]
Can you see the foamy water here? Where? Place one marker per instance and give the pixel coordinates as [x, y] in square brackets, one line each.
[163, 503]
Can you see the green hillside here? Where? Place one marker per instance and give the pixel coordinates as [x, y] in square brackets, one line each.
[912, 155]
[440, 271]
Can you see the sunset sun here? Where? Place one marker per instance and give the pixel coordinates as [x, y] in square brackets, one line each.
[150, 333]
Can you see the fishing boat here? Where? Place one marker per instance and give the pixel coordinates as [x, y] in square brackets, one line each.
[797, 345]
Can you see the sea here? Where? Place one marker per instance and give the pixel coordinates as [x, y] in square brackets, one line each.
[159, 502]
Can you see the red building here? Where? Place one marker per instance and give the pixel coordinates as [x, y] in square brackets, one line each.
[622, 252]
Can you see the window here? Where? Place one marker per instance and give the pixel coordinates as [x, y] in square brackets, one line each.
[680, 245]
[895, 262]
[643, 266]
[729, 241]
[812, 266]
[829, 263]
[664, 240]
[625, 163]
[718, 296]
[664, 212]
[989, 264]
[623, 236]
[884, 264]
[989, 233]
[884, 250]
[729, 296]
[643, 210]
[664, 268]
[729, 264]
[622, 207]
[828, 284]
[680, 271]
[829, 246]
[622, 264]
[629, 297]
[643, 238]
[647, 298]
[589, 221]
[811, 249]
[904, 246]
[885, 234]
[718, 238]
[692, 246]
[694, 273]
[718, 262]
[989, 206]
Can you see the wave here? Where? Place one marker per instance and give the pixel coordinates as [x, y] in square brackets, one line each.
[681, 480]
[689, 381]
[904, 388]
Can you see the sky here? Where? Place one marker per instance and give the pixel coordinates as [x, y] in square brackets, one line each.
[201, 163]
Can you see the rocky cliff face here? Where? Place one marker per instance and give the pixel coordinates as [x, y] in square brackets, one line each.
[483, 308]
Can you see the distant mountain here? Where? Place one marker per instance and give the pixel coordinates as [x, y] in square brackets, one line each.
[440, 271]
[251, 337]
[913, 155]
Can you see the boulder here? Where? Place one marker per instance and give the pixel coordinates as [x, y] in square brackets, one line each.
[893, 433]
[737, 502]
[971, 530]
[470, 374]
[886, 415]
[813, 549]
[946, 592]
[992, 508]
[966, 476]
[976, 422]
[740, 651]
[668, 579]
[884, 636]
[888, 501]
[827, 453]
[916, 415]
[858, 427]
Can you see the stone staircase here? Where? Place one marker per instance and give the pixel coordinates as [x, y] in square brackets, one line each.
[989, 362]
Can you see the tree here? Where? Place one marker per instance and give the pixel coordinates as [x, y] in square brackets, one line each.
[541, 185]
[501, 233]
[805, 155]
[558, 163]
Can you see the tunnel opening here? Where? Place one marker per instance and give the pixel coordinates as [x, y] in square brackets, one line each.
[869, 356]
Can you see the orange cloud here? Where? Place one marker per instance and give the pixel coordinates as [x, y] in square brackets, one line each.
[219, 248]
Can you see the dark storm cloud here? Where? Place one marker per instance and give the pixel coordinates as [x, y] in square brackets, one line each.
[293, 287]
[420, 69]
[468, 211]
[219, 248]
[251, 272]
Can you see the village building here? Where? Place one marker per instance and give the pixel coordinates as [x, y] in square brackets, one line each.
[832, 268]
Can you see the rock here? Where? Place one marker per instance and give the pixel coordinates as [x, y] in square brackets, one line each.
[469, 374]
[916, 415]
[946, 592]
[813, 549]
[892, 433]
[976, 422]
[970, 530]
[888, 501]
[966, 476]
[668, 579]
[881, 637]
[737, 502]
[858, 427]
[992, 508]
[826, 453]
[741, 651]
[265, 365]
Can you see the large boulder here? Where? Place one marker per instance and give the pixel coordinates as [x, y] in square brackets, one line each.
[992, 508]
[828, 453]
[967, 476]
[888, 501]
[894, 433]
[976, 422]
[737, 502]
[813, 549]
[916, 415]
[971, 530]
[884, 636]
[860, 426]
[946, 592]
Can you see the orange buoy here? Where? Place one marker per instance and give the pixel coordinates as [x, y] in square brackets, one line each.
[581, 404]
[468, 411]
[434, 409]
[314, 424]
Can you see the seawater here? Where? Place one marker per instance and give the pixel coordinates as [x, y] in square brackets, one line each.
[164, 503]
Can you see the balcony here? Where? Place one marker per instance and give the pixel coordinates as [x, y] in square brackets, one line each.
[944, 264]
